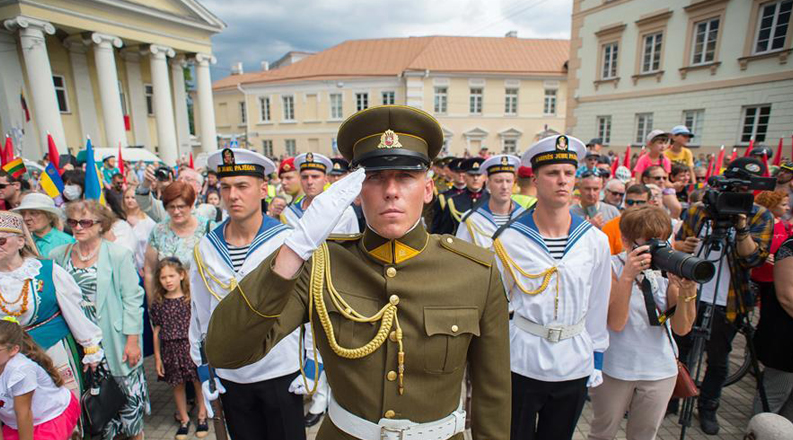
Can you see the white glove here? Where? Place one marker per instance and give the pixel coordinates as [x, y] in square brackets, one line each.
[324, 214]
[595, 379]
[298, 387]
[209, 396]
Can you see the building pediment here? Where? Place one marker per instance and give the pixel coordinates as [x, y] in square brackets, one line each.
[447, 133]
[475, 133]
[510, 133]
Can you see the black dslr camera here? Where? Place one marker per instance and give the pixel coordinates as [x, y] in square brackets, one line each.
[163, 174]
[679, 263]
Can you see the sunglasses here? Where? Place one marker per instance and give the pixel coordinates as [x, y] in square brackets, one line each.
[658, 178]
[84, 223]
[596, 173]
[635, 202]
[616, 193]
[4, 240]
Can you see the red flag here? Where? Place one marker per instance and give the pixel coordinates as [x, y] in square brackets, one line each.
[627, 160]
[749, 148]
[4, 159]
[778, 157]
[52, 152]
[710, 168]
[719, 161]
[765, 162]
[734, 154]
[191, 161]
[615, 165]
[121, 163]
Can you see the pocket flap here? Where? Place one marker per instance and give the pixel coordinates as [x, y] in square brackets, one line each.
[451, 321]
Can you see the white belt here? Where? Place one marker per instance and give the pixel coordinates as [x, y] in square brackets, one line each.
[551, 333]
[391, 429]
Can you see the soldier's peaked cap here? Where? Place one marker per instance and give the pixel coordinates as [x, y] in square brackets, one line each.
[390, 137]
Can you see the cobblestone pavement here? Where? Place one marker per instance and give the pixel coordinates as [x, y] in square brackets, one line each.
[734, 414]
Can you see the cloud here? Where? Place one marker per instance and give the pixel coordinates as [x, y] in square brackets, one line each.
[264, 31]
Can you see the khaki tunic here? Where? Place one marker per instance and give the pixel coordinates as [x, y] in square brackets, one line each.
[452, 310]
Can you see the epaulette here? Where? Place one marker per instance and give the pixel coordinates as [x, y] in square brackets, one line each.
[345, 237]
[468, 250]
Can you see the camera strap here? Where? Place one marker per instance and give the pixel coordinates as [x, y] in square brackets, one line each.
[654, 314]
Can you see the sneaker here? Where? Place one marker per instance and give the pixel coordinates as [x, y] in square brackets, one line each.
[201, 428]
[184, 429]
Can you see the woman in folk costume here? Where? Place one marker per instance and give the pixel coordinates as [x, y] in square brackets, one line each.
[45, 300]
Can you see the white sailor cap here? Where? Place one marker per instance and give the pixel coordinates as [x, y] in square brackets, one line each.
[501, 163]
[239, 162]
[313, 161]
[559, 148]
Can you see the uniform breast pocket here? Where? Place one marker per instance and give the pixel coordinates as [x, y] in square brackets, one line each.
[449, 331]
[351, 334]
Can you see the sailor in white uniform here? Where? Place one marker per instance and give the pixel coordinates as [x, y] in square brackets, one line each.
[256, 398]
[313, 169]
[479, 224]
[556, 269]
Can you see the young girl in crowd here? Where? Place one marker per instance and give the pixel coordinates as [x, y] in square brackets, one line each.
[34, 404]
[170, 317]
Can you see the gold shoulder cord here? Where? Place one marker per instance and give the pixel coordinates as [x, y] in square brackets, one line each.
[228, 287]
[321, 273]
[511, 266]
[457, 215]
[471, 227]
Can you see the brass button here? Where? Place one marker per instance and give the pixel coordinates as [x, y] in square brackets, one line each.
[392, 336]
[449, 240]
[394, 300]
[389, 414]
[455, 328]
[391, 272]
[391, 376]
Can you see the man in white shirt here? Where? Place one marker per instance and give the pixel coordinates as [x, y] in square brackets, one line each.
[557, 271]
[256, 398]
[590, 207]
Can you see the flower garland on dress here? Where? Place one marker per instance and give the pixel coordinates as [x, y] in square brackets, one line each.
[23, 296]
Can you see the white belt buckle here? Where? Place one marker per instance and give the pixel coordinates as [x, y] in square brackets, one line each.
[385, 431]
[554, 334]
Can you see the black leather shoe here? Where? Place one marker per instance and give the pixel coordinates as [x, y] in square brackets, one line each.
[312, 419]
[707, 418]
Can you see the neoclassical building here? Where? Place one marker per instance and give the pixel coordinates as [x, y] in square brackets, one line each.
[111, 70]
[501, 93]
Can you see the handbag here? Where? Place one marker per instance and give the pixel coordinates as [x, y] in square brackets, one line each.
[102, 399]
[684, 386]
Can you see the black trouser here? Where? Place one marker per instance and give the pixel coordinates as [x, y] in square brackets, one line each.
[558, 405]
[718, 349]
[263, 410]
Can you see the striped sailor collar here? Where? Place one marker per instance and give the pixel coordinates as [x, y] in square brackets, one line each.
[487, 213]
[397, 251]
[297, 208]
[269, 228]
[526, 226]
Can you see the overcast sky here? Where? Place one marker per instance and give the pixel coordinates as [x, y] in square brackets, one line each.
[261, 30]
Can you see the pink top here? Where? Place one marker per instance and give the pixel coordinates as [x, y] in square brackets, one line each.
[765, 273]
[645, 162]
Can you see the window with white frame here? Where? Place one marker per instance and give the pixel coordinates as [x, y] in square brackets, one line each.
[549, 106]
[774, 19]
[149, 92]
[267, 148]
[610, 52]
[389, 98]
[361, 101]
[291, 147]
[604, 129]
[264, 109]
[289, 107]
[511, 101]
[644, 125]
[441, 99]
[243, 113]
[60, 93]
[755, 123]
[335, 106]
[509, 146]
[651, 56]
[705, 35]
[694, 120]
[475, 101]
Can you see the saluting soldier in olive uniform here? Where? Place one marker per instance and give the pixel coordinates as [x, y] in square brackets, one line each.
[395, 342]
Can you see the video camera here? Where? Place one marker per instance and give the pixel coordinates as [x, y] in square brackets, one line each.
[727, 195]
[679, 263]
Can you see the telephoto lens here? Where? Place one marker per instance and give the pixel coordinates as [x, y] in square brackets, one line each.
[679, 263]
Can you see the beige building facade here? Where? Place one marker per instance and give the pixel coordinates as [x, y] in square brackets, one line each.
[721, 67]
[498, 93]
[110, 70]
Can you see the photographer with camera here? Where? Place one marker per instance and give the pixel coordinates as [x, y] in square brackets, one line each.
[156, 179]
[639, 367]
[748, 238]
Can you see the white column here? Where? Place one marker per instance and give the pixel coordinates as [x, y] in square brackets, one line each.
[109, 94]
[12, 81]
[137, 98]
[180, 104]
[46, 114]
[84, 93]
[163, 109]
[206, 109]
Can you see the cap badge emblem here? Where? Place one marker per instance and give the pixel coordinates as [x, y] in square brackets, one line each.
[475, 165]
[228, 157]
[505, 161]
[336, 166]
[309, 157]
[389, 139]
[287, 167]
[753, 167]
[561, 143]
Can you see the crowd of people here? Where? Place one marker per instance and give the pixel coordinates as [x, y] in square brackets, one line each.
[562, 300]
